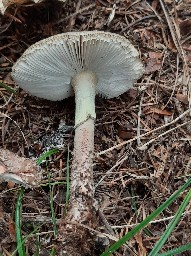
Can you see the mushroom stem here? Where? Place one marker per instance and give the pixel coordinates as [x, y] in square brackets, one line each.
[81, 188]
[84, 85]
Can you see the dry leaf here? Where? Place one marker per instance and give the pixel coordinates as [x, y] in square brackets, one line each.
[4, 4]
[168, 1]
[11, 227]
[133, 93]
[155, 4]
[183, 98]
[18, 169]
[141, 248]
[158, 111]
[155, 55]
[185, 27]
[148, 37]
[187, 47]
[153, 63]
[187, 1]
[2, 169]
[124, 133]
[188, 56]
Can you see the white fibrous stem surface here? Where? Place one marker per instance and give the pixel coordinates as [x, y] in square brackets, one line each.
[84, 87]
[81, 188]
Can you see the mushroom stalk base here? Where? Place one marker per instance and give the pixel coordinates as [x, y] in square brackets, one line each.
[81, 188]
[77, 240]
[81, 204]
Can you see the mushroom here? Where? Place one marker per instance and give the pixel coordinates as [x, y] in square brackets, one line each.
[84, 64]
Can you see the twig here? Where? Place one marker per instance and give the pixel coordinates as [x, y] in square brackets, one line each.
[111, 16]
[175, 83]
[73, 18]
[105, 222]
[110, 170]
[172, 27]
[138, 21]
[143, 135]
[78, 12]
[139, 121]
[6, 116]
[151, 222]
[144, 147]
[174, 30]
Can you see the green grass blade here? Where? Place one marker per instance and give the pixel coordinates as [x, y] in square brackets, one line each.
[19, 238]
[146, 221]
[8, 88]
[53, 183]
[134, 205]
[53, 252]
[177, 250]
[46, 154]
[171, 225]
[51, 187]
[67, 181]
[37, 243]
[34, 231]
[42, 158]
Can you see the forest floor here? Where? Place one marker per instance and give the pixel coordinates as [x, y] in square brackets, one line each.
[148, 153]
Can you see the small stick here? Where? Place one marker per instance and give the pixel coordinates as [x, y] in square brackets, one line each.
[139, 121]
[151, 222]
[110, 170]
[77, 13]
[143, 135]
[144, 147]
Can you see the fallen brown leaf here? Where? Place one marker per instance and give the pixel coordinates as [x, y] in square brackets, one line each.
[2, 169]
[155, 55]
[168, 1]
[18, 169]
[133, 93]
[185, 27]
[182, 98]
[153, 63]
[11, 227]
[158, 111]
[4, 4]
[142, 249]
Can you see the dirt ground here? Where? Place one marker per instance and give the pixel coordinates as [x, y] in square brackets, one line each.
[137, 172]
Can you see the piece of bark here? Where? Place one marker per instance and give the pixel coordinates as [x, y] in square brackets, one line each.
[18, 169]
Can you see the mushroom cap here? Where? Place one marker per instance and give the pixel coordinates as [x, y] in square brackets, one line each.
[47, 67]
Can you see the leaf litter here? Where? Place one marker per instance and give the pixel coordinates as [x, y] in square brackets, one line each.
[142, 138]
